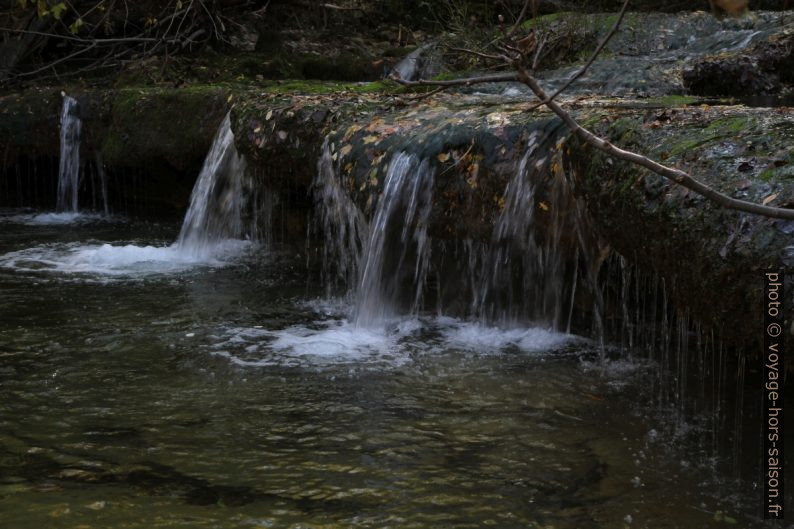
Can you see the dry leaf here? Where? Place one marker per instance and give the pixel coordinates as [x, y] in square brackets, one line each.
[443, 157]
[543, 206]
[770, 198]
[346, 150]
[269, 115]
[370, 139]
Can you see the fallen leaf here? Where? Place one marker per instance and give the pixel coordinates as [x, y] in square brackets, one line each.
[282, 135]
[346, 150]
[229, 99]
[370, 139]
[543, 206]
[443, 157]
[269, 115]
[770, 198]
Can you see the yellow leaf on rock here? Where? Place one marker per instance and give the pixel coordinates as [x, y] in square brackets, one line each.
[443, 157]
[370, 139]
[770, 198]
[543, 206]
[344, 151]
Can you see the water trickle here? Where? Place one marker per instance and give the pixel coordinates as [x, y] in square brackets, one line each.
[339, 222]
[218, 198]
[69, 169]
[397, 236]
[221, 205]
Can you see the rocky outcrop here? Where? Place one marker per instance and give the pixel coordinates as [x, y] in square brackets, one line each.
[765, 69]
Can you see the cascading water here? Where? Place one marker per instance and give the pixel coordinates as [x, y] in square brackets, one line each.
[397, 236]
[531, 261]
[211, 233]
[527, 272]
[340, 223]
[218, 199]
[69, 168]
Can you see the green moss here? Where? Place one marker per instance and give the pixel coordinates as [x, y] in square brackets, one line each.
[729, 125]
[544, 20]
[328, 87]
[674, 100]
[167, 126]
[624, 130]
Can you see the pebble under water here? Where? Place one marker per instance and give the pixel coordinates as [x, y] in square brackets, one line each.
[224, 392]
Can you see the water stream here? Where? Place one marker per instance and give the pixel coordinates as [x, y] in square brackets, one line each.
[69, 168]
[214, 231]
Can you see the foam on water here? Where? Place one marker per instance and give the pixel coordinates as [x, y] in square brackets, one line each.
[336, 341]
[118, 260]
[54, 219]
[476, 337]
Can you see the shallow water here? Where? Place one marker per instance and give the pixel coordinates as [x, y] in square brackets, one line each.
[224, 393]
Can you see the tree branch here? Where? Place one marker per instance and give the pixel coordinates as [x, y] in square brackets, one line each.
[496, 78]
[519, 19]
[676, 175]
[590, 62]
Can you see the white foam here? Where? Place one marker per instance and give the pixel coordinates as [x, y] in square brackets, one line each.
[119, 261]
[396, 342]
[481, 338]
[54, 219]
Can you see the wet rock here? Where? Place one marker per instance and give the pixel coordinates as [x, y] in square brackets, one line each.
[765, 69]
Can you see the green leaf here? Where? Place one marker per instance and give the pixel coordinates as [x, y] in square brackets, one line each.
[75, 27]
[57, 10]
[41, 8]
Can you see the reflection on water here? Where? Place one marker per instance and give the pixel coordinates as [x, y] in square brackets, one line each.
[229, 397]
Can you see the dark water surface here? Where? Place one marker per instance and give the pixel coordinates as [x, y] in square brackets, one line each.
[142, 389]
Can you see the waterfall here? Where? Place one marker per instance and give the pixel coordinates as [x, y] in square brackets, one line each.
[69, 169]
[397, 236]
[340, 223]
[218, 200]
[539, 253]
[531, 261]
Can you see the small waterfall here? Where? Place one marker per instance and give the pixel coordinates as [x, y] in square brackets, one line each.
[527, 272]
[397, 235]
[218, 201]
[339, 222]
[69, 169]
[103, 181]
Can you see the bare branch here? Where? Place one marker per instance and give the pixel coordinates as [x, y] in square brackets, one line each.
[519, 19]
[426, 95]
[466, 81]
[676, 175]
[592, 59]
[54, 63]
[479, 54]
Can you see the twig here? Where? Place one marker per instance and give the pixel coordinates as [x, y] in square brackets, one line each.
[496, 78]
[592, 59]
[341, 8]
[431, 93]
[676, 175]
[54, 63]
[519, 19]
[479, 54]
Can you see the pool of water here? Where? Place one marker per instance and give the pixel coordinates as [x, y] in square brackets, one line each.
[224, 392]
